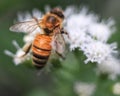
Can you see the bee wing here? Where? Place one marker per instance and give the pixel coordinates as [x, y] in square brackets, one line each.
[59, 45]
[26, 27]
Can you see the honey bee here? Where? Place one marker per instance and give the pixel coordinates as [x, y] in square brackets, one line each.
[50, 38]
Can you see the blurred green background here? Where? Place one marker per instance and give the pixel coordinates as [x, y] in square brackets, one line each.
[23, 80]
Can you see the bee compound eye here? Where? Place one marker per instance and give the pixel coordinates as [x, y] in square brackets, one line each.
[51, 19]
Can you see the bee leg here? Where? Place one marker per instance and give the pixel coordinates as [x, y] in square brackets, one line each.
[59, 54]
[26, 48]
[64, 32]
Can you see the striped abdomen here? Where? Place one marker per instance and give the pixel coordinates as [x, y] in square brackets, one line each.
[41, 50]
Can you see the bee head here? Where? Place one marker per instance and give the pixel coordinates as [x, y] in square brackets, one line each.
[53, 19]
[58, 12]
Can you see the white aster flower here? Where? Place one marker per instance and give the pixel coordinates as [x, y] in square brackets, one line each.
[101, 31]
[110, 66]
[97, 51]
[89, 35]
[23, 16]
[86, 26]
[116, 88]
[78, 40]
[27, 16]
[69, 11]
[84, 89]
[18, 57]
[36, 13]
[77, 26]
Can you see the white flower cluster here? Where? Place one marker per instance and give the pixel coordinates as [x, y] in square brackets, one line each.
[26, 16]
[116, 89]
[84, 89]
[89, 35]
[18, 57]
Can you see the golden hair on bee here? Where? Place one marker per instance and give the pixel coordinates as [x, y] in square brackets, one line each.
[52, 19]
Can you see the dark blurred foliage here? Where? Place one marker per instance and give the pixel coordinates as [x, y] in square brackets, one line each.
[23, 80]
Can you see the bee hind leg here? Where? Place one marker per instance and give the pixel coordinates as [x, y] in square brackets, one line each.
[21, 55]
[60, 55]
[26, 48]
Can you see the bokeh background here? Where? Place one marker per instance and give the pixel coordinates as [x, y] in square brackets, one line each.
[23, 80]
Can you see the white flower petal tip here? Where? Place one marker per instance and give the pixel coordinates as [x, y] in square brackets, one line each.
[17, 61]
[36, 13]
[47, 8]
[26, 16]
[20, 53]
[84, 89]
[15, 44]
[17, 58]
[110, 66]
[100, 31]
[116, 88]
[7, 52]
[28, 38]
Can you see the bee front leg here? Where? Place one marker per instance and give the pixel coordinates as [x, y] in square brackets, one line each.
[64, 32]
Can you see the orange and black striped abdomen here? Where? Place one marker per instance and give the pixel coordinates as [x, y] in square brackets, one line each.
[41, 50]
